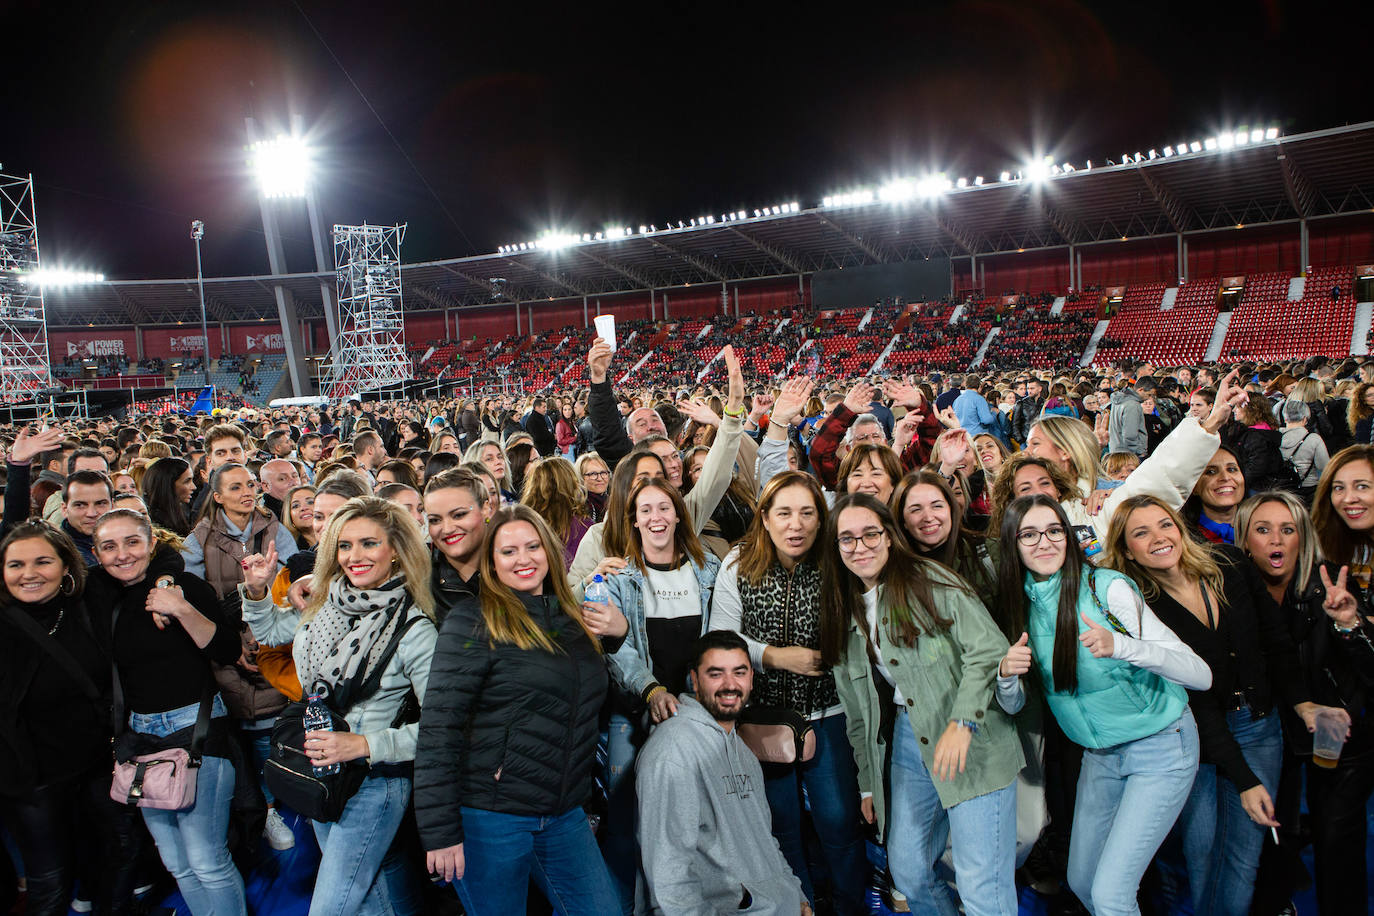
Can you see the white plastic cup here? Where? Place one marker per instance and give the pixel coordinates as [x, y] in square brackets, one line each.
[1328, 740]
[605, 329]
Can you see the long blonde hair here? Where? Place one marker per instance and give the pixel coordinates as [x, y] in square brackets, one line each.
[402, 534]
[503, 613]
[1195, 560]
[1078, 439]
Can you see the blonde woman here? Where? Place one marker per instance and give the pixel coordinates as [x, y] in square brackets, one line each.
[553, 490]
[371, 581]
[509, 732]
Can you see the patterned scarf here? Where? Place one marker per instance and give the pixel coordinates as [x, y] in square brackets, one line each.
[351, 631]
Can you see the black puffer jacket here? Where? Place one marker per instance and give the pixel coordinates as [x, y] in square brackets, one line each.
[505, 729]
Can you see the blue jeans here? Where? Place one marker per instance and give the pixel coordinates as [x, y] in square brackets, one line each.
[193, 843]
[620, 840]
[259, 741]
[919, 828]
[1221, 845]
[1129, 796]
[503, 851]
[832, 789]
[353, 852]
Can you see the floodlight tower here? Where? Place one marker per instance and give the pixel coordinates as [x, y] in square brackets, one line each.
[371, 350]
[24, 367]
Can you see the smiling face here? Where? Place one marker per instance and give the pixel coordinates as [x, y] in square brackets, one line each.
[1039, 445]
[326, 504]
[1030, 479]
[854, 525]
[1352, 495]
[792, 523]
[1153, 540]
[656, 519]
[33, 570]
[1273, 541]
[672, 460]
[646, 468]
[869, 477]
[723, 681]
[123, 550]
[1046, 556]
[302, 510]
[86, 502]
[927, 515]
[596, 477]
[456, 523]
[236, 493]
[1221, 487]
[364, 553]
[124, 483]
[644, 422]
[694, 466]
[989, 453]
[519, 558]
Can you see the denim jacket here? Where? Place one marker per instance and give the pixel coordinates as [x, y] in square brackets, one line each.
[631, 665]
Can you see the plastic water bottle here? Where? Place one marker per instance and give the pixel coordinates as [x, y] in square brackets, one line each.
[318, 719]
[597, 592]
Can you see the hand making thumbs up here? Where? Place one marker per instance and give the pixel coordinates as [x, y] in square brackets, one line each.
[1098, 639]
[1017, 660]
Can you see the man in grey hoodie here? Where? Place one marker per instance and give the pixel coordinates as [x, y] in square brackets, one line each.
[704, 823]
[1126, 425]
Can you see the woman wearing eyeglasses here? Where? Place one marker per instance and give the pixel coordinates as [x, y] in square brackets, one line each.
[915, 656]
[1116, 680]
[596, 478]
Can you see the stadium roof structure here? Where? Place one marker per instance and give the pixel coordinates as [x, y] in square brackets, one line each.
[1310, 176]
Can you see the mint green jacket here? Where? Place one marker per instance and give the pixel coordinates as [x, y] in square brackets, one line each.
[946, 676]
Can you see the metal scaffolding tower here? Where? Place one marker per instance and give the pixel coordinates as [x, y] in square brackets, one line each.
[371, 351]
[24, 367]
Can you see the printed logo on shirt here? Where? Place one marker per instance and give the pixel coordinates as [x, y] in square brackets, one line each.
[740, 784]
[672, 594]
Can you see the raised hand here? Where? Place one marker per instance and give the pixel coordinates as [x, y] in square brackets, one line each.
[901, 391]
[259, 570]
[30, 443]
[699, 411]
[792, 399]
[860, 397]
[1098, 639]
[1229, 396]
[735, 399]
[1340, 604]
[948, 418]
[599, 360]
[954, 448]
[1017, 661]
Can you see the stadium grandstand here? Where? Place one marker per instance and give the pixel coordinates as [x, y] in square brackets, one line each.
[1251, 245]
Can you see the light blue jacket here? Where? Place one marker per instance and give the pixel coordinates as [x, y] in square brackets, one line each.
[974, 413]
[631, 665]
[372, 718]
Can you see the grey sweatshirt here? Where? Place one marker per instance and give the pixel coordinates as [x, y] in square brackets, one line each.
[704, 825]
[1126, 425]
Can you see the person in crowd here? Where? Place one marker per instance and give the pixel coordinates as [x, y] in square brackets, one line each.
[1115, 679]
[299, 519]
[565, 431]
[55, 677]
[553, 490]
[1215, 601]
[1217, 494]
[123, 481]
[991, 452]
[167, 489]
[1254, 440]
[1360, 414]
[398, 471]
[225, 443]
[870, 469]
[1126, 425]
[458, 506]
[277, 478]
[370, 586]
[769, 591]
[1336, 653]
[162, 627]
[596, 478]
[407, 497]
[972, 409]
[1301, 447]
[927, 507]
[664, 594]
[897, 629]
[516, 672]
[704, 827]
[521, 455]
[491, 455]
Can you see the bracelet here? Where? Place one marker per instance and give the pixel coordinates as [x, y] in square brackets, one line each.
[649, 694]
[738, 412]
[971, 726]
[773, 422]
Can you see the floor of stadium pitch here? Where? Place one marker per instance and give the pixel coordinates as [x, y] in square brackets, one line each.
[281, 887]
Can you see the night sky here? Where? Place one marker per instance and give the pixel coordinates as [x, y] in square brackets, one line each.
[131, 116]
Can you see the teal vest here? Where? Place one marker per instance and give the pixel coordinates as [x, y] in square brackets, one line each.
[1115, 701]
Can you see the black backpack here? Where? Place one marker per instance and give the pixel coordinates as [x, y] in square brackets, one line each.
[1285, 476]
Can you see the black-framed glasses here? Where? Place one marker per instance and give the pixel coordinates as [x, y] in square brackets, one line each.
[1029, 537]
[871, 539]
[596, 475]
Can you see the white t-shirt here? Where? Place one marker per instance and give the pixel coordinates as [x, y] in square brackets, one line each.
[871, 615]
[672, 593]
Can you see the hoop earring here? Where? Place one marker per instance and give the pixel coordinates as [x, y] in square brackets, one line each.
[68, 577]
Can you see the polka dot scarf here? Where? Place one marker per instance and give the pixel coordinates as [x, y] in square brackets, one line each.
[350, 632]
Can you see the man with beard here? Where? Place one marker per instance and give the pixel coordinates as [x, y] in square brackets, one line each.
[704, 825]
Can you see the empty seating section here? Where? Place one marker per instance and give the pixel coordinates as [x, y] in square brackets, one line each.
[1268, 326]
[1140, 330]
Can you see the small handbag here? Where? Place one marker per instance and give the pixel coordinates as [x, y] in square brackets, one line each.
[164, 779]
[777, 734]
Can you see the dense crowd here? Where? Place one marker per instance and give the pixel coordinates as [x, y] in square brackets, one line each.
[683, 648]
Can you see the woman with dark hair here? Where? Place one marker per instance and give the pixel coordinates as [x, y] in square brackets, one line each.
[414, 435]
[769, 591]
[299, 508]
[1211, 509]
[1360, 414]
[1254, 439]
[520, 454]
[870, 469]
[398, 471]
[1116, 680]
[1335, 640]
[517, 673]
[928, 509]
[565, 431]
[606, 543]
[168, 488]
[915, 656]
[1216, 603]
[55, 678]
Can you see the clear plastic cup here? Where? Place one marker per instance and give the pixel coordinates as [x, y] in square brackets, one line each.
[1328, 739]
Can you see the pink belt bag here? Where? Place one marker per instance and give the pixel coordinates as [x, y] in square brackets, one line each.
[777, 735]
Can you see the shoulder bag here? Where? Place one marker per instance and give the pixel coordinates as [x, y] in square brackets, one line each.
[777, 734]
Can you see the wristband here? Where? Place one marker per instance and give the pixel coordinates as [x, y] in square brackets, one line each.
[971, 726]
[738, 412]
[649, 693]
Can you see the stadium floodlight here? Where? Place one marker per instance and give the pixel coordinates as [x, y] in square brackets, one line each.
[1257, 136]
[1242, 137]
[899, 190]
[1210, 144]
[1195, 147]
[643, 230]
[1068, 167]
[933, 185]
[1037, 170]
[961, 183]
[60, 277]
[796, 207]
[1153, 154]
[1168, 152]
[1005, 176]
[1089, 165]
[1271, 134]
[978, 181]
[282, 166]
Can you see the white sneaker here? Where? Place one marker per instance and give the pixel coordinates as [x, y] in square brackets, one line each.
[279, 835]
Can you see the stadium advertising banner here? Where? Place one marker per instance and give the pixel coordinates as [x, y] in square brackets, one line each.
[90, 345]
[177, 342]
[256, 338]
